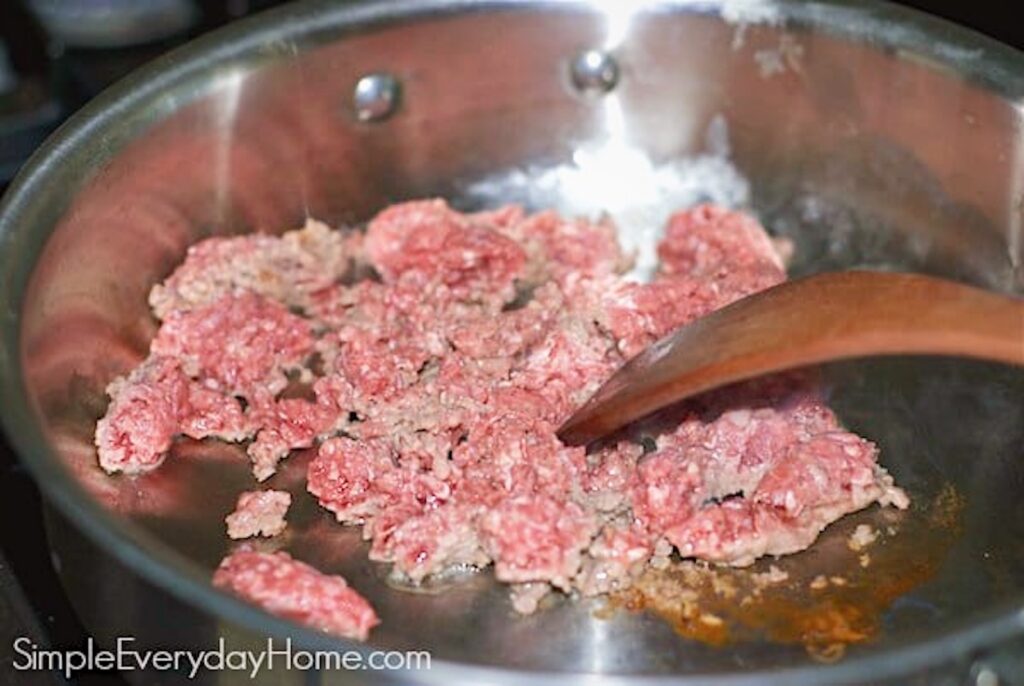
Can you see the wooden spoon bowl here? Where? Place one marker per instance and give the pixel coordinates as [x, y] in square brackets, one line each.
[816, 319]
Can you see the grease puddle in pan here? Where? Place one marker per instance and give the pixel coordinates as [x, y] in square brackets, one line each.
[832, 595]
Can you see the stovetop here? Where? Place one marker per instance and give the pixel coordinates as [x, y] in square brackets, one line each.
[42, 82]
[31, 601]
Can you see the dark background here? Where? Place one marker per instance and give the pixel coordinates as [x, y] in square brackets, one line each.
[52, 80]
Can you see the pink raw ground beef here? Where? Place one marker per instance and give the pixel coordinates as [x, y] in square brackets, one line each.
[537, 538]
[294, 590]
[238, 344]
[259, 513]
[285, 424]
[155, 403]
[427, 242]
[290, 269]
[432, 394]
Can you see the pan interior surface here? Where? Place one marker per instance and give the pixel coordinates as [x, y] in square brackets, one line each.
[867, 146]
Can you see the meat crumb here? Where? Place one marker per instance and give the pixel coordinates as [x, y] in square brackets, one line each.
[774, 575]
[259, 513]
[293, 590]
[863, 536]
[526, 598]
[711, 620]
[723, 586]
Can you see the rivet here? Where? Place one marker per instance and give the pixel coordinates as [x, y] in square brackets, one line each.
[594, 72]
[375, 97]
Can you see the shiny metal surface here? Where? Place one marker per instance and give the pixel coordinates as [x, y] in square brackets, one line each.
[375, 97]
[869, 135]
[594, 71]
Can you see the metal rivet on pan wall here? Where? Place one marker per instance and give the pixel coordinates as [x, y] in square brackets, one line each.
[375, 97]
[594, 72]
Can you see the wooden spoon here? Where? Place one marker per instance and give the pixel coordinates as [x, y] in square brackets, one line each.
[806, 321]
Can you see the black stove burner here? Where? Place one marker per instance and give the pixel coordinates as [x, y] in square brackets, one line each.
[32, 603]
[30, 104]
[43, 80]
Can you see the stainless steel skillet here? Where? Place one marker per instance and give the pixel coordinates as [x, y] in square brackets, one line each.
[869, 135]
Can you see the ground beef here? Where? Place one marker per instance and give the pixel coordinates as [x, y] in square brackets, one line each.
[710, 242]
[636, 314]
[432, 539]
[155, 403]
[241, 344]
[294, 590]
[537, 538]
[863, 536]
[144, 416]
[428, 242]
[259, 513]
[290, 269]
[285, 424]
[361, 480]
[526, 597]
[614, 557]
[812, 484]
[565, 250]
[433, 387]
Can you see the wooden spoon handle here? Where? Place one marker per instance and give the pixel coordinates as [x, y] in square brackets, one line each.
[816, 319]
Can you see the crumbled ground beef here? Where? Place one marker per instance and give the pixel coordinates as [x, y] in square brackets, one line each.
[294, 590]
[437, 389]
[259, 513]
[863, 536]
[289, 269]
[240, 344]
[155, 403]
